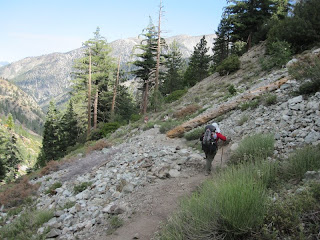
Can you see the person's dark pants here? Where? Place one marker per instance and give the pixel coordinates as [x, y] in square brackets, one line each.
[209, 160]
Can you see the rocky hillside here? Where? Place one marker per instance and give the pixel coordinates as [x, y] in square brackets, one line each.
[128, 180]
[49, 76]
[22, 107]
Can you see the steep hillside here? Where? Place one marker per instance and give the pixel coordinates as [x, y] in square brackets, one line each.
[49, 76]
[22, 107]
[140, 180]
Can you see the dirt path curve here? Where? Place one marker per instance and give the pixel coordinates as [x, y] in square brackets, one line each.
[154, 203]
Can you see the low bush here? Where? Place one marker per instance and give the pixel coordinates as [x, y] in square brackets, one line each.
[98, 145]
[303, 160]
[26, 226]
[168, 125]
[81, 187]
[284, 220]
[242, 120]
[228, 65]
[194, 134]
[51, 166]
[253, 148]
[175, 95]
[17, 193]
[135, 117]
[307, 71]
[250, 104]
[68, 205]
[114, 223]
[53, 187]
[232, 90]
[109, 128]
[186, 111]
[231, 206]
[270, 99]
[148, 125]
[279, 53]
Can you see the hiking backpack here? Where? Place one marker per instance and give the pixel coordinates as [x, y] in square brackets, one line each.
[209, 141]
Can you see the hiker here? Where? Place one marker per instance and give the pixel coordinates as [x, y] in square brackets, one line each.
[146, 119]
[209, 141]
[166, 118]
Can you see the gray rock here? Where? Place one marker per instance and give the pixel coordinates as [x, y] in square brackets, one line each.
[313, 105]
[295, 100]
[174, 173]
[312, 137]
[54, 233]
[128, 188]
[291, 62]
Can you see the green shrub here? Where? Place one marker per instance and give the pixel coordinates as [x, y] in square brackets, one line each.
[230, 206]
[307, 71]
[175, 95]
[81, 187]
[303, 160]
[270, 99]
[135, 117]
[53, 187]
[26, 226]
[315, 190]
[194, 134]
[228, 65]
[242, 120]
[279, 53]
[68, 205]
[253, 148]
[252, 104]
[284, 216]
[168, 125]
[148, 126]
[232, 89]
[114, 223]
[95, 134]
[109, 128]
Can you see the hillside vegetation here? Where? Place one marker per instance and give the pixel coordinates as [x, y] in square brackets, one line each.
[106, 156]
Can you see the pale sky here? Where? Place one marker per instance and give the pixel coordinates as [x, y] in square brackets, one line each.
[36, 27]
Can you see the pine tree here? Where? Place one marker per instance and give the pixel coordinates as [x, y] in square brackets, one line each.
[10, 121]
[103, 69]
[221, 45]
[10, 156]
[198, 68]
[247, 17]
[146, 62]
[50, 143]
[68, 128]
[172, 76]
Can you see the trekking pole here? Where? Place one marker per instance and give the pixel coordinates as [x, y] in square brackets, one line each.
[221, 157]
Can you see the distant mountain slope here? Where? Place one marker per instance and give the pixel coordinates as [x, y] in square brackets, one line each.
[23, 108]
[49, 76]
[3, 63]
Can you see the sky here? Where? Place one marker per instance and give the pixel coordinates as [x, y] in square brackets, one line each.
[36, 27]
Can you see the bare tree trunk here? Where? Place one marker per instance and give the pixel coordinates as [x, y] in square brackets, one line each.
[145, 97]
[95, 109]
[115, 90]
[89, 96]
[222, 109]
[158, 59]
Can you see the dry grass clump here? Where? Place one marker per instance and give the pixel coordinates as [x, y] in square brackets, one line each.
[15, 194]
[51, 166]
[186, 111]
[99, 145]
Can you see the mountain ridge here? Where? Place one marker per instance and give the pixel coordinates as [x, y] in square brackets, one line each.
[49, 76]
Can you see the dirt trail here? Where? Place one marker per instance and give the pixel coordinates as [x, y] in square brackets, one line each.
[156, 202]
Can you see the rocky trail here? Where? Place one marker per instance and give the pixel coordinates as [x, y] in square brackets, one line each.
[141, 181]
